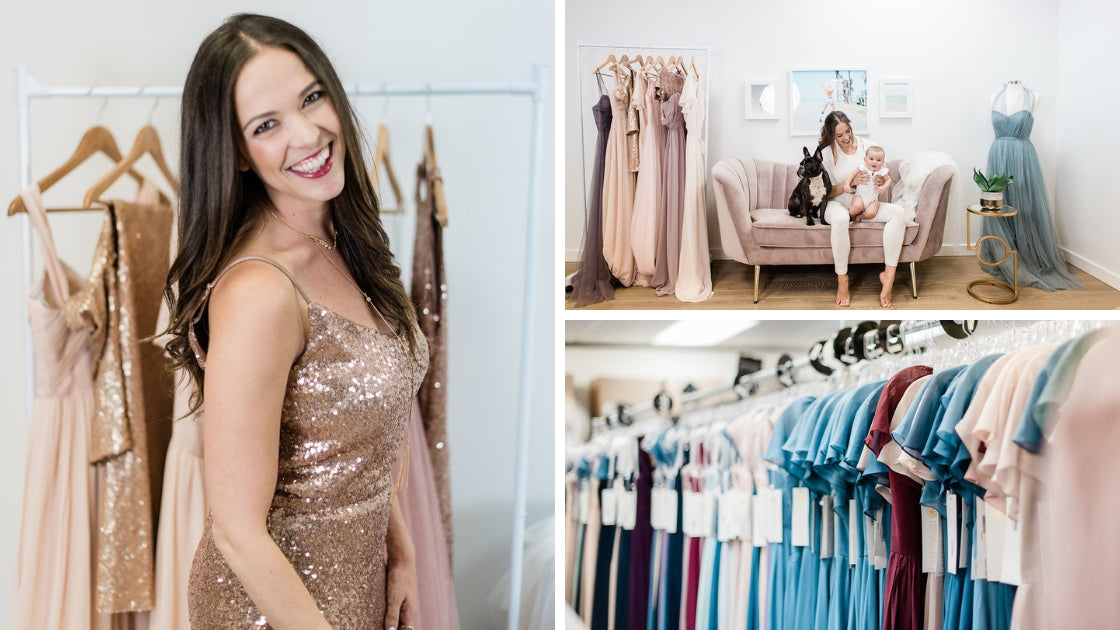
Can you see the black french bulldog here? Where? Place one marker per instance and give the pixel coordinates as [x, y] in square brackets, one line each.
[811, 195]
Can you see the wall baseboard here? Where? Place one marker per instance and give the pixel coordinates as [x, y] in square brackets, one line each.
[1093, 269]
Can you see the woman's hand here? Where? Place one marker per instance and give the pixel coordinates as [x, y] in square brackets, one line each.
[882, 182]
[402, 593]
[860, 177]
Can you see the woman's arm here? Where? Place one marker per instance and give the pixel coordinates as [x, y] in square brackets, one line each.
[256, 332]
[402, 594]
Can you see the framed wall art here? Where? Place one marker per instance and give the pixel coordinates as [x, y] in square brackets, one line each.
[896, 98]
[813, 94]
[762, 99]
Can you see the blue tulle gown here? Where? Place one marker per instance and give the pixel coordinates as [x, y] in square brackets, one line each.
[1031, 231]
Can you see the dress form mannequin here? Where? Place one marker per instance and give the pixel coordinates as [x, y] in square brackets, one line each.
[1016, 97]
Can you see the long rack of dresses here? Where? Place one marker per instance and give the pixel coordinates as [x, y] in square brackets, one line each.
[646, 209]
[28, 88]
[906, 497]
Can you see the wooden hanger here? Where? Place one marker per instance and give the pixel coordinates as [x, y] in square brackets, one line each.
[610, 61]
[692, 66]
[437, 182]
[96, 140]
[147, 142]
[381, 157]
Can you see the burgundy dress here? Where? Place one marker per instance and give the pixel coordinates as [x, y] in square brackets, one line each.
[904, 599]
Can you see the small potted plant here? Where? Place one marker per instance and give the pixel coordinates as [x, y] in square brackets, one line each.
[991, 189]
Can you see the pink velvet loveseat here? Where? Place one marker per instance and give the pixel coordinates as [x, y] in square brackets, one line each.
[756, 229]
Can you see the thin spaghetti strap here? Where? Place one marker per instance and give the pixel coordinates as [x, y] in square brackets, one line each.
[602, 88]
[199, 353]
[36, 212]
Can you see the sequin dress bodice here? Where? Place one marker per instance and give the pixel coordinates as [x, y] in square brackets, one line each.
[347, 405]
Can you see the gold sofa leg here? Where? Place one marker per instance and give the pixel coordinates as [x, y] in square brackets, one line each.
[757, 270]
[914, 279]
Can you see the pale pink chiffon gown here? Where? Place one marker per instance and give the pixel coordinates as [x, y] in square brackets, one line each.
[618, 189]
[647, 194]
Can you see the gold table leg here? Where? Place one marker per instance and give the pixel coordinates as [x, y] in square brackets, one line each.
[1013, 290]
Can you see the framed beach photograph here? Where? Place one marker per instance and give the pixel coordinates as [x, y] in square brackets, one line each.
[896, 98]
[813, 94]
[762, 99]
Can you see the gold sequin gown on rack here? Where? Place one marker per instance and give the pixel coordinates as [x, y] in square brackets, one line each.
[345, 411]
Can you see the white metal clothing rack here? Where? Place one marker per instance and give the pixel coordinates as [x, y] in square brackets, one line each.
[706, 49]
[28, 88]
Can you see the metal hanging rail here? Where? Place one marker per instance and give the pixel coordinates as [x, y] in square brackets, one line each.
[29, 88]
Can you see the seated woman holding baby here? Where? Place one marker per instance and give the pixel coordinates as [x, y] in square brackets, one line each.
[856, 166]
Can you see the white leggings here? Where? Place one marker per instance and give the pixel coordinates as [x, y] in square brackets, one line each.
[893, 232]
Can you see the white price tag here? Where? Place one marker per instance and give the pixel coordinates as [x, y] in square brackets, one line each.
[1012, 551]
[608, 508]
[727, 521]
[672, 505]
[760, 518]
[775, 513]
[744, 515]
[828, 520]
[962, 557]
[933, 556]
[655, 518]
[878, 542]
[627, 509]
[994, 528]
[952, 545]
[980, 548]
[799, 535]
[708, 503]
[853, 533]
[584, 504]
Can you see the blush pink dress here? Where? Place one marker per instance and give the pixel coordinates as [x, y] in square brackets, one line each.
[618, 188]
[647, 194]
[694, 271]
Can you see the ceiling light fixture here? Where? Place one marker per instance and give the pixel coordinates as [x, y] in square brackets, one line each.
[701, 333]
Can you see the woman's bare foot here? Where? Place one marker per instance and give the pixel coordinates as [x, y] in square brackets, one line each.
[842, 297]
[887, 278]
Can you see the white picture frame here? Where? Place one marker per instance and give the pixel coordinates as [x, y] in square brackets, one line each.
[896, 98]
[762, 98]
[814, 93]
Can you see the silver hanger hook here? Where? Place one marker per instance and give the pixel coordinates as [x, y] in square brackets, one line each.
[104, 104]
[152, 111]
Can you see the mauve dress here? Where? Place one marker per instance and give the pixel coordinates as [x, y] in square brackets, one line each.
[618, 188]
[592, 283]
[672, 187]
[906, 584]
[647, 194]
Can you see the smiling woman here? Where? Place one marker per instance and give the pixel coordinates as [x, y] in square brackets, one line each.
[288, 312]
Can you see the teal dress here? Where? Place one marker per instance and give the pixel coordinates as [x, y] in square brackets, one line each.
[1031, 231]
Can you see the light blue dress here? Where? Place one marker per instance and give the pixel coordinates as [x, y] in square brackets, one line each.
[1031, 231]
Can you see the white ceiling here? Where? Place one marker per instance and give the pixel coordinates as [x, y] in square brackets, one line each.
[773, 335]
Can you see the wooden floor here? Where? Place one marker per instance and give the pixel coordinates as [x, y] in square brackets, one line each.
[942, 282]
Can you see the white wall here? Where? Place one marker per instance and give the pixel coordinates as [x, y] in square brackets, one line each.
[483, 147]
[1087, 136]
[958, 53]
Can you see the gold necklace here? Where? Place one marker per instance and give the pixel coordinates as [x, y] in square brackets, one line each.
[333, 245]
[365, 295]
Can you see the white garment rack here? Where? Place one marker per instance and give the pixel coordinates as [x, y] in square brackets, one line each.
[580, 45]
[29, 88]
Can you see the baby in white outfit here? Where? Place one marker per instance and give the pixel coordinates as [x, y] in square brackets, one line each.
[865, 203]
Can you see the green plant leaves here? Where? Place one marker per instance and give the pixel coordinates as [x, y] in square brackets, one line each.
[995, 183]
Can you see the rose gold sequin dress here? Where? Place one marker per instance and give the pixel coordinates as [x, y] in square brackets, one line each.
[345, 412]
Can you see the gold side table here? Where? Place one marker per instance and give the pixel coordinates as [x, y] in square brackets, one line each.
[1012, 289]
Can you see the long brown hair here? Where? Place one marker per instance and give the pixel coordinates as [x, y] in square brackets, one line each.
[828, 130]
[218, 201]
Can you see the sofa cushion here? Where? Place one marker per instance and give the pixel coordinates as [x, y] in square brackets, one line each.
[774, 227]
